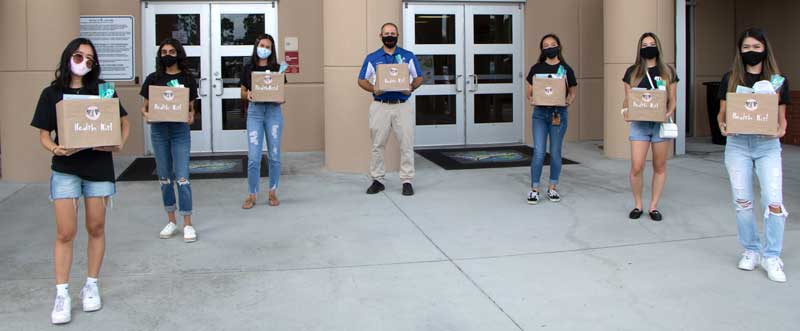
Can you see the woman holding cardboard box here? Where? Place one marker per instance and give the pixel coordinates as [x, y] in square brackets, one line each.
[76, 172]
[552, 88]
[169, 95]
[754, 123]
[264, 117]
[654, 83]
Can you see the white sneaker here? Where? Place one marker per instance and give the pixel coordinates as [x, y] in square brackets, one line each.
[749, 260]
[774, 267]
[169, 230]
[189, 234]
[533, 197]
[62, 310]
[90, 296]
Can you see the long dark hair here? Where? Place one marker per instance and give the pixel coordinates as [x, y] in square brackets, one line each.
[272, 59]
[63, 74]
[639, 67]
[769, 65]
[560, 48]
[183, 61]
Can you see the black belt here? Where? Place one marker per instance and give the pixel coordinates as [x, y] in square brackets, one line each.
[393, 101]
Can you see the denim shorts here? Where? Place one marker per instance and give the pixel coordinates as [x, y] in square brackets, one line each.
[66, 186]
[645, 131]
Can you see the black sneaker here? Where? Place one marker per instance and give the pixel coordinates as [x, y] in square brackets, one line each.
[408, 189]
[376, 187]
[553, 195]
[533, 197]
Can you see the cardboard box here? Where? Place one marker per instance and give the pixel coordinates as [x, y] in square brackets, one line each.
[88, 123]
[168, 104]
[647, 105]
[549, 91]
[267, 87]
[392, 78]
[749, 113]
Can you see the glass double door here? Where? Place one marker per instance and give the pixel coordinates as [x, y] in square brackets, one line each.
[472, 62]
[218, 39]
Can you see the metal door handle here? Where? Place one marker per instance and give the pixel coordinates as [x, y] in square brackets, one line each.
[459, 81]
[474, 83]
[221, 88]
[202, 88]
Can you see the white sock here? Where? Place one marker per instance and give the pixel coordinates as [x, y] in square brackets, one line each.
[62, 289]
[92, 281]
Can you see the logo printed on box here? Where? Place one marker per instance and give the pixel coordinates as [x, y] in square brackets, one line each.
[393, 71]
[548, 90]
[168, 95]
[92, 113]
[268, 80]
[647, 97]
[751, 104]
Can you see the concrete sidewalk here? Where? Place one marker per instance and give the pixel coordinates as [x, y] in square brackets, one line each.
[465, 253]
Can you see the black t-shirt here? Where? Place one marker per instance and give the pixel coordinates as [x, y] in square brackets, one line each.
[164, 78]
[87, 164]
[655, 74]
[749, 80]
[248, 71]
[544, 68]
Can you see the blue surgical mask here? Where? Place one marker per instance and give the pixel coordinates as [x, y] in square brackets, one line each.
[263, 52]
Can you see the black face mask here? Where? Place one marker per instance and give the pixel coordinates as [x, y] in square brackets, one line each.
[649, 53]
[168, 60]
[389, 41]
[551, 52]
[752, 58]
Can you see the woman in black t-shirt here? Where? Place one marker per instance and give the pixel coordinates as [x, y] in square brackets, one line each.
[649, 71]
[549, 121]
[75, 173]
[264, 119]
[172, 140]
[748, 154]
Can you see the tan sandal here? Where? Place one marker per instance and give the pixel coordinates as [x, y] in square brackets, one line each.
[249, 202]
[273, 199]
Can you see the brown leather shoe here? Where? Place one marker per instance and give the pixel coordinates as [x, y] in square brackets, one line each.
[273, 199]
[249, 202]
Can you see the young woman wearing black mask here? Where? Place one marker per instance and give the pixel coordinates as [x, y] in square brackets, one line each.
[75, 173]
[549, 121]
[172, 140]
[649, 71]
[747, 155]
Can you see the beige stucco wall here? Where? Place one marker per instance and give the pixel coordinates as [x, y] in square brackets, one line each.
[356, 25]
[580, 27]
[33, 50]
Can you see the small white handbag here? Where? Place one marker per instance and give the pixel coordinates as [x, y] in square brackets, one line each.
[668, 130]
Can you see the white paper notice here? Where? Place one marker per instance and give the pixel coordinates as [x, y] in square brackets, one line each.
[113, 38]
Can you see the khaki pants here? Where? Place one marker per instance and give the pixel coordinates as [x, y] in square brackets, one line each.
[384, 118]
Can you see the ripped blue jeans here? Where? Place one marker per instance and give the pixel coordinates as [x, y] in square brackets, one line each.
[746, 155]
[263, 119]
[171, 146]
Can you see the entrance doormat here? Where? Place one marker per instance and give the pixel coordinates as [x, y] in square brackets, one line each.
[200, 167]
[484, 157]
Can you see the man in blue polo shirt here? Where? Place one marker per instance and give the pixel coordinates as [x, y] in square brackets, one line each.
[389, 111]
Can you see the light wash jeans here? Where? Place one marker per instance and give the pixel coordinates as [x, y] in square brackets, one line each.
[746, 155]
[263, 119]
